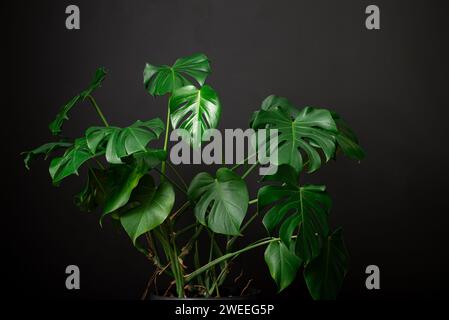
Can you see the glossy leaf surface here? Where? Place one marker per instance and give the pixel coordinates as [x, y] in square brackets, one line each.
[195, 110]
[160, 80]
[304, 208]
[221, 202]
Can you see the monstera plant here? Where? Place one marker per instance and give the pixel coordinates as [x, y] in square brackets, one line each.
[133, 183]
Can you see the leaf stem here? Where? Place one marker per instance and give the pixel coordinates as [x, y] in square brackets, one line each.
[171, 180]
[184, 230]
[167, 129]
[243, 228]
[249, 170]
[97, 108]
[178, 175]
[243, 162]
[252, 201]
[183, 208]
[170, 252]
[227, 256]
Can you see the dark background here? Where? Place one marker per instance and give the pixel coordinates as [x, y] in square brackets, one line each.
[390, 85]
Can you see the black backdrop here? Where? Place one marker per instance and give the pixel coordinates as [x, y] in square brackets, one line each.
[390, 85]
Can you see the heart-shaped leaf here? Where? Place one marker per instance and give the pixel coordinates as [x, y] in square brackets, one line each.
[282, 263]
[309, 206]
[195, 110]
[56, 124]
[154, 204]
[324, 275]
[160, 80]
[221, 202]
[122, 142]
[311, 131]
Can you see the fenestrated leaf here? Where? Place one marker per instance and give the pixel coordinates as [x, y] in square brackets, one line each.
[221, 202]
[73, 158]
[307, 208]
[160, 80]
[122, 142]
[45, 150]
[154, 206]
[282, 263]
[272, 102]
[324, 275]
[195, 110]
[312, 130]
[56, 124]
[347, 141]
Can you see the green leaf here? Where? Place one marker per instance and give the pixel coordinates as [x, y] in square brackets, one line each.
[56, 124]
[100, 74]
[45, 150]
[69, 163]
[195, 110]
[273, 102]
[282, 263]
[123, 142]
[94, 191]
[221, 202]
[312, 130]
[122, 179]
[154, 206]
[347, 141]
[111, 188]
[324, 275]
[307, 207]
[160, 80]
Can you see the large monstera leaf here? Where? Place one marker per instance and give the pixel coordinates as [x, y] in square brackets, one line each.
[160, 80]
[152, 205]
[56, 125]
[282, 263]
[123, 142]
[221, 202]
[312, 131]
[73, 158]
[301, 209]
[195, 110]
[324, 275]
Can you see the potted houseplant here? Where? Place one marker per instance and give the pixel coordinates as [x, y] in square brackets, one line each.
[135, 184]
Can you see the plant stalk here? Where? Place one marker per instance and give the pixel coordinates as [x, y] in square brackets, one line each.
[227, 256]
[167, 129]
[249, 170]
[97, 108]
